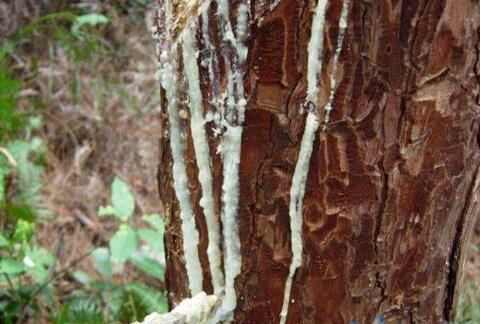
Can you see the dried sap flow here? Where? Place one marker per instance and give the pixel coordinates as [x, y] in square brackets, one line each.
[297, 190]
[230, 121]
[229, 117]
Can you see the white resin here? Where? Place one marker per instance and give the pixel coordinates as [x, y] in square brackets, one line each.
[299, 180]
[202, 154]
[169, 82]
[231, 141]
[342, 26]
[315, 51]
[297, 191]
[274, 4]
[230, 149]
[191, 310]
[208, 44]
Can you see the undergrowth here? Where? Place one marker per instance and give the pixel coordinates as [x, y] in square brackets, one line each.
[29, 272]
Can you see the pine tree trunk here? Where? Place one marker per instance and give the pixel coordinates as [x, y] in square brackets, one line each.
[330, 145]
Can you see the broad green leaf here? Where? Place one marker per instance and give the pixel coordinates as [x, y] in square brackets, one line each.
[148, 265]
[123, 243]
[3, 241]
[152, 238]
[82, 277]
[106, 210]
[102, 262]
[122, 200]
[38, 261]
[11, 266]
[156, 222]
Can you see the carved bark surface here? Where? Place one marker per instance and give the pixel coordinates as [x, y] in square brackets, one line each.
[392, 186]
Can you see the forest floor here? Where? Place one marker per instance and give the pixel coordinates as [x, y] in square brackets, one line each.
[101, 120]
[98, 100]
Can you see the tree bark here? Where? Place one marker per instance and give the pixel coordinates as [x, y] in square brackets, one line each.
[391, 185]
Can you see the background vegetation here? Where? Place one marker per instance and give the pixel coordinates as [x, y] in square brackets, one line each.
[81, 240]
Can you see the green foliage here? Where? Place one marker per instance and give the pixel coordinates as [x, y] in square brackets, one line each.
[91, 19]
[468, 309]
[103, 262]
[122, 302]
[82, 308]
[11, 266]
[123, 202]
[10, 122]
[123, 243]
[23, 265]
[28, 271]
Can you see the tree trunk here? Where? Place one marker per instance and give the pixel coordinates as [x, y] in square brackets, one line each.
[320, 160]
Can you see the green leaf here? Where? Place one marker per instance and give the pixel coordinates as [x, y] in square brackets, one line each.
[153, 300]
[4, 172]
[156, 222]
[123, 243]
[24, 231]
[38, 261]
[103, 262]
[91, 19]
[35, 122]
[148, 265]
[3, 241]
[10, 122]
[106, 210]
[22, 212]
[82, 277]
[152, 238]
[11, 266]
[116, 301]
[30, 171]
[122, 200]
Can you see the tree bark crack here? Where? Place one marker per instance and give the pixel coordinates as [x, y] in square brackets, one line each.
[455, 252]
[476, 66]
[379, 280]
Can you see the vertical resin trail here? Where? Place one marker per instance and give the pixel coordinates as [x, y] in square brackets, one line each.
[342, 26]
[169, 82]
[230, 147]
[202, 155]
[297, 190]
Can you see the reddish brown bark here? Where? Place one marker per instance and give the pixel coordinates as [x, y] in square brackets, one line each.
[392, 187]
